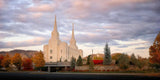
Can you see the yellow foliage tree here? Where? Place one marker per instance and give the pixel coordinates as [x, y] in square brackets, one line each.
[6, 61]
[115, 57]
[38, 59]
[17, 60]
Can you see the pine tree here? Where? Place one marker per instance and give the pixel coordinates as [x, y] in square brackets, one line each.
[79, 61]
[88, 59]
[73, 63]
[133, 60]
[107, 55]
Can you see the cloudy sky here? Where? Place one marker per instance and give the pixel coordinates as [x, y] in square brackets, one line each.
[129, 26]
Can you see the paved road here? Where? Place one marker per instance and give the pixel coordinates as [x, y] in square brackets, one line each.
[76, 76]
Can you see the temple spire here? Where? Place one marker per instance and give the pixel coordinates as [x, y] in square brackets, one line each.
[73, 41]
[55, 24]
[73, 31]
[55, 33]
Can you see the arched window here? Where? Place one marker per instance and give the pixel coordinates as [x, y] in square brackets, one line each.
[51, 51]
[50, 57]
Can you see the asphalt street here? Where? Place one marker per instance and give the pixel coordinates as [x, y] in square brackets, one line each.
[74, 76]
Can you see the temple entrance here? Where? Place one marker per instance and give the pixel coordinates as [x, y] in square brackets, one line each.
[61, 66]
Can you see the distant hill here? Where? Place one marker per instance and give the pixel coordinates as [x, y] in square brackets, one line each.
[24, 53]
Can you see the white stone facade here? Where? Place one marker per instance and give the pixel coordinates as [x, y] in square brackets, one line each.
[57, 50]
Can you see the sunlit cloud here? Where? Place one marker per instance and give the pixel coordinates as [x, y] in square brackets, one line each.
[29, 42]
[42, 8]
[129, 26]
[2, 3]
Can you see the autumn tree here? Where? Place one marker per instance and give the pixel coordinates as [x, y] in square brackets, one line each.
[6, 61]
[73, 63]
[123, 61]
[1, 58]
[17, 60]
[107, 55]
[154, 51]
[38, 59]
[27, 64]
[79, 61]
[116, 57]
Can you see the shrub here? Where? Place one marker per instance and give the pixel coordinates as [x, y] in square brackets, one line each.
[123, 61]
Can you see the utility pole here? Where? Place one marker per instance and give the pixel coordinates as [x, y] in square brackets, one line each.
[92, 53]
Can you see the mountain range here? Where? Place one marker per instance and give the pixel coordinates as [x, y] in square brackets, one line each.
[23, 53]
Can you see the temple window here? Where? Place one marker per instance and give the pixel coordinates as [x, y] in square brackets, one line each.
[50, 57]
[51, 51]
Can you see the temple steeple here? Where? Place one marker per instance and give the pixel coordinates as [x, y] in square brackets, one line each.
[55, 24]
[55, 33]
[73, 31]
[73, 41]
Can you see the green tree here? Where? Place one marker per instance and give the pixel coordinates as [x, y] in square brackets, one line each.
[123, 61]
[38, 59]
[141, 62]
[60, 59]
[73, 63]
[107, 55]
[65, 60]
[88, 59]
[79, 61]
[133, 60]
[17, 60]
[91, 64]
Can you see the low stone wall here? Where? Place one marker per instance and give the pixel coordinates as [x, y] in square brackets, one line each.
[137, 69]
[108, 68]
[105, 68]
[97, 68]
[83, 68]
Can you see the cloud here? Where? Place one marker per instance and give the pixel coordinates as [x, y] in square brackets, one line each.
[30, 42]
[42, 8]
[96, 21]
[36, 15]
[83, 9]
[140, 48]
[79, 9]
[1, 4]
[4, 35]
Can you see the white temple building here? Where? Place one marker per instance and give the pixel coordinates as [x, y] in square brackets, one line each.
[56, 50]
